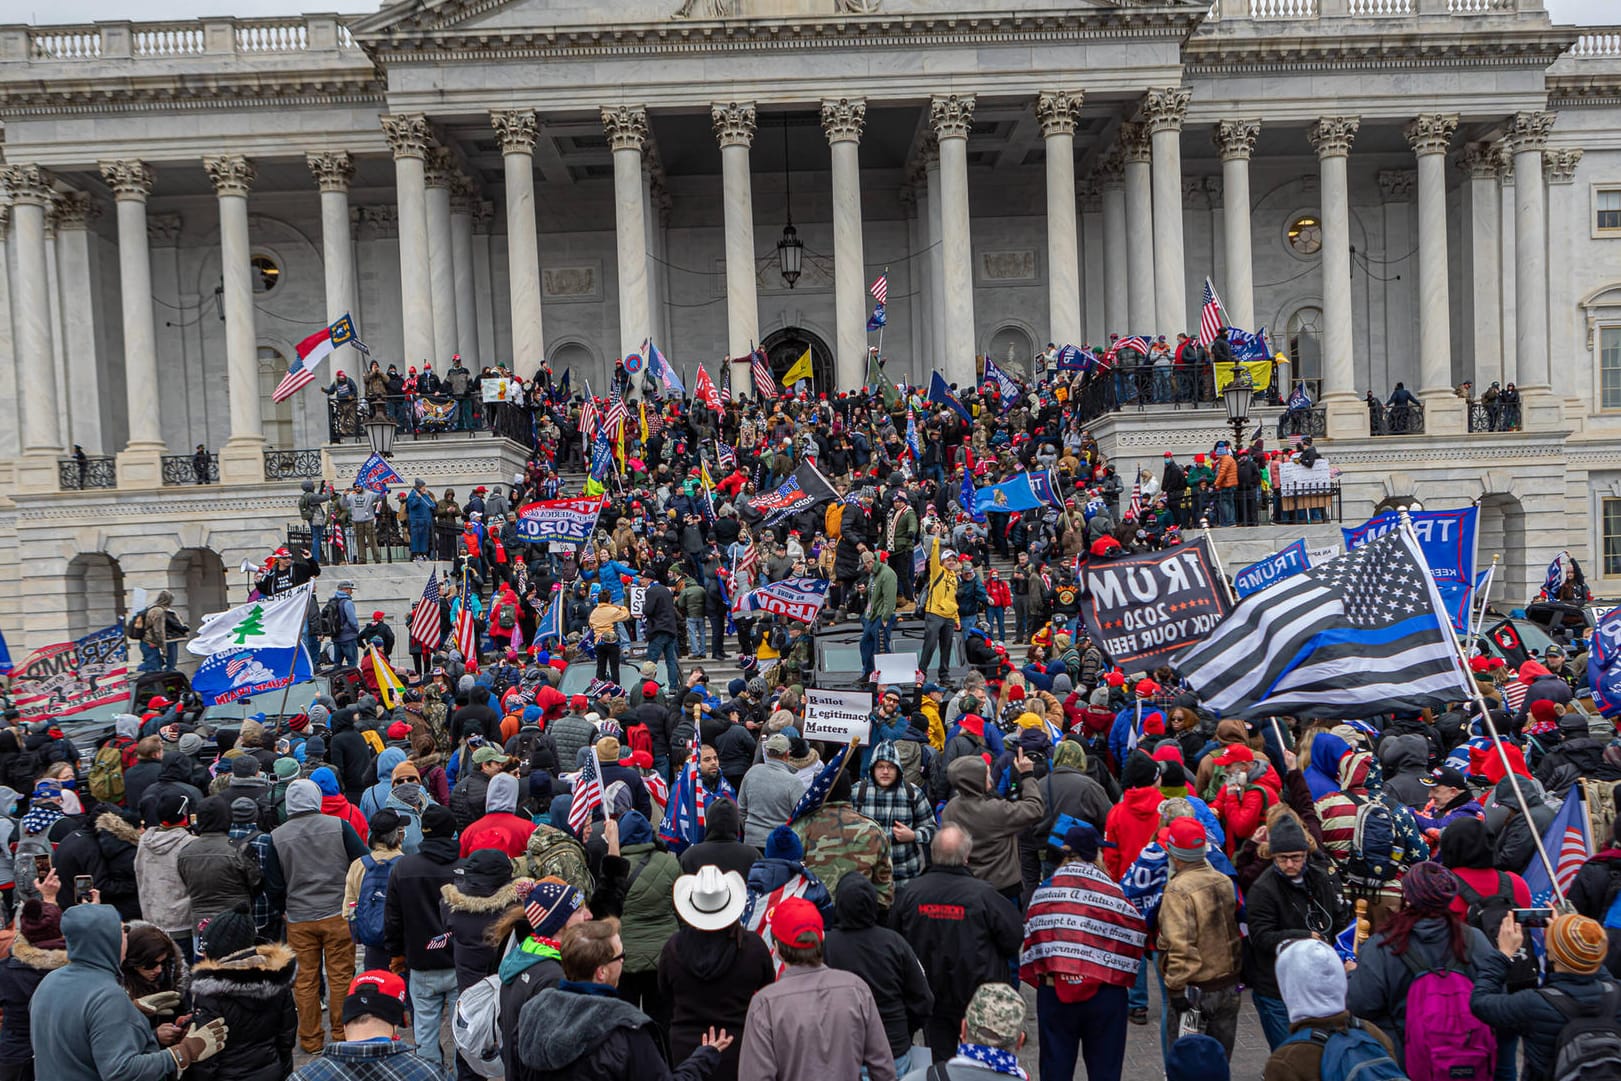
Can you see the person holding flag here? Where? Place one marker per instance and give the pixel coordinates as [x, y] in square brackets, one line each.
[836, 837]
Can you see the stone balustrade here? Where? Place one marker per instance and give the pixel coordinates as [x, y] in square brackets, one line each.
[104, 41]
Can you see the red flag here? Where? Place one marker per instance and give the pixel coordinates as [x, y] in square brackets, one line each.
[704, 390]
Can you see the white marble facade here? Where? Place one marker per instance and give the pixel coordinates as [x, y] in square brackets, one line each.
[519, 180]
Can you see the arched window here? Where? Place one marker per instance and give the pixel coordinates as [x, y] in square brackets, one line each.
[1304, 337]
[277, 417]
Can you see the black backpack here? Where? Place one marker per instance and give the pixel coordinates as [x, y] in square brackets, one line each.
[330, 620]
[1589, 1046]
[1486, 911]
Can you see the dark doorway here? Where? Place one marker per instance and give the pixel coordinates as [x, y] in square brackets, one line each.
[788, 345]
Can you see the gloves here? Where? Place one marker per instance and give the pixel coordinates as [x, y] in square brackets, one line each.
[203, 1041]
[160, 1004]
[1179, 1004]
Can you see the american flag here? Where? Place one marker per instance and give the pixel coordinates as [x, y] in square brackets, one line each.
[466, 634]
[426, 626]
[1080, 925]
[588, 414]
[1567, 845]
[764, 385]
[747, 563]
[1136, 341]
[1136, 508]
[1514, 694]
[683, 822]
[726, 455]
[616, 415]
[816, 793]
[880, 288]
[1210, 321]
[658, 790]
[726, 381]
[587, 795]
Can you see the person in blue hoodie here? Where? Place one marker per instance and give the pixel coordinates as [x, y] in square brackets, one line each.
[84, 1025]
[373, 798]
[1135, 716]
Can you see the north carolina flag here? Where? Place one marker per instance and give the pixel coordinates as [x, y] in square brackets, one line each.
[311, 351]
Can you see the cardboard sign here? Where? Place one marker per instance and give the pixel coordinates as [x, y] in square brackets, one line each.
[838, 716]
[498, 390]
[636, 598]
[1141, 609]
[896, 669]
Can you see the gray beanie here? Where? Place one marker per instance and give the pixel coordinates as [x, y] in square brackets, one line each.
[1062, 684]
[319, 714]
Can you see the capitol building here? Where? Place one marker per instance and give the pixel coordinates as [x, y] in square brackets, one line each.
[1416, 191]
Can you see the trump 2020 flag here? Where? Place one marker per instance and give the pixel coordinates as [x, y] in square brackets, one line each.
[243, 673]
[376, 474]
[1604, 663]
[267, 623]
[804, 489]
[550, 627]
[1358, 636]
[1567, 845]
[1005, 386]
[311, 352]
[566, 521]
[793, 598]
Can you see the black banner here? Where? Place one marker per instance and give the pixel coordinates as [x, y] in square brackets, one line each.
[1142, 609]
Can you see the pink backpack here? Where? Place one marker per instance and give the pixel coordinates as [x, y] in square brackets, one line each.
[1445, 1041]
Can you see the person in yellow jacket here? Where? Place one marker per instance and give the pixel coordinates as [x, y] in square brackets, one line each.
[928, 704]
[940, 621]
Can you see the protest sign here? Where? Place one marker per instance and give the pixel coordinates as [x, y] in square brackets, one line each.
[498, 390]
[1140, 609]
[837, 716]
[636, 600]
[896, 669]
[71, 677]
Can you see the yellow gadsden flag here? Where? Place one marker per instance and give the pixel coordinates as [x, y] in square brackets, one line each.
[800, 370]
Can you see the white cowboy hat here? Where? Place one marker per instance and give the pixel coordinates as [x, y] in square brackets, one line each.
[712, 899]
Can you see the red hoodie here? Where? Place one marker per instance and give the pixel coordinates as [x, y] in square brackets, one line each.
[1130, 825]
[338, 807]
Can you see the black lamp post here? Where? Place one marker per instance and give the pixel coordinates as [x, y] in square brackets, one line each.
[1236, 397]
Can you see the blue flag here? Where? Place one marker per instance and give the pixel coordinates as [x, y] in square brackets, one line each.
[1004, 383]
[560, 388]
[1018, 494]
[1604, 663]
[1247, 346]
[820, 786]
[551, 623]
[940, 394]
[376, 474]
[1447, 538]
[601, 455]
[659, 366]
[243, 673]
[969, 497]
[1554, 578]
[1274, 568]
[1071, 359]
[1298, 398]
[1345, 942]
[5, 657]
[912, 443]
[878, 319]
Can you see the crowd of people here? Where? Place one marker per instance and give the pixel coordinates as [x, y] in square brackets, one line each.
[669, 878]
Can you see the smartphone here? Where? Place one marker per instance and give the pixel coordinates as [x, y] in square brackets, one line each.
[82, 885]
[42, 866]
[1533, 917]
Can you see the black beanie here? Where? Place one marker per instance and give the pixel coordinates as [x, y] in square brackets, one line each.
[1140, 771]
[230, 932]
[1286, 836]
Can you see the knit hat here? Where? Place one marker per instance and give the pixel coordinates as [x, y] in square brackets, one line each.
[550, 906]
[1286, 836]
[1185, 840]
[1197, 1058]
[1428, 887]
[784, 844]
[1172, 775]
[437, 821]
[244, 809]
[286, 768]
[319, 715]
[229, 932]
[41, 924]
[405, 771]
[190, 743]
[1576, 942]
[172, 809]
[1139, 771]
[1069, 753]
[1311, 977]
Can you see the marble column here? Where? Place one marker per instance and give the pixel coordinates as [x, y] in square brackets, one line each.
[334, 170]
[1430, 136]
[842, 121]
[1137, 155]
[71, 214]
[930, 156]
[516, 129]
[1508, 278]
[463, 202]
[734, 124]
[1162, 112]
[242, 457]
[1116, 287]
[626, 126]
[439, 174]
[1482, 273]
[1056, 112]
[409, 138]
[1236, 141]
[1527, 137]
[951, 116]
[10, 437]
[1331, 137]
[1568, 227]
[30, 188]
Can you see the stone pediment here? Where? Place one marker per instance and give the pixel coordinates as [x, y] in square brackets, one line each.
[416, 17]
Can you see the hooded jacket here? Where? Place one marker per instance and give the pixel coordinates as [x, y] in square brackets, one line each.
[993, 823]
[767, 797]
[902, 803]
[104, 850]
[253, 991]
[85, 1028]
[479, 893]
[373, 799]
[1131, 824]
[217, 874]
[883, 960]
[584, 1032]
[499, 828]
[309, 857]
[1406, 759]
[720, 845]
[649, 917]
[173, 776]
[1378, 986]
[411, 911]
[348, 753]
[1529, 1014]
[164, 900]
[20, 977]
[709, 977]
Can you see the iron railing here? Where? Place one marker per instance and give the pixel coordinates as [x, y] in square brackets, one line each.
[1146, 386]
[393, 541]
[1255, 506]
[182, 469]
[1404, 419]
[1494, 416]
[82, 474]
[1303, 422]
[430, 416]
[292, 464]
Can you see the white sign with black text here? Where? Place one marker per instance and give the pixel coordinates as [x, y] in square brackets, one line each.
[838, 716]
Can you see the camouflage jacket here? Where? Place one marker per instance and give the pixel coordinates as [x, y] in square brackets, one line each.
[838, 839]
[554, 854]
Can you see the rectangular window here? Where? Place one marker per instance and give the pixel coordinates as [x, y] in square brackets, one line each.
[1612, 536]
[1609, 366]
[1608, 207]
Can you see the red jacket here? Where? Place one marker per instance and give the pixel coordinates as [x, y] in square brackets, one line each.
[1000, 593]
[1242, 813]
[338, 807]
[1131, 825]
[501, 830]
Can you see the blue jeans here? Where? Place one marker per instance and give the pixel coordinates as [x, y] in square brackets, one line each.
[874, 640]
[151, 659]
[317, 533]
[999, 621]
[1137, 993]
[663, 645]
[348, 653]
[433, 997]
[695, 635]
[1224, 507]
[1274, 1017]
[1094, 1031]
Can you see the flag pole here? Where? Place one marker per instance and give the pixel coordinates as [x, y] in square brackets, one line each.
[1485, 597]
[1491, 728]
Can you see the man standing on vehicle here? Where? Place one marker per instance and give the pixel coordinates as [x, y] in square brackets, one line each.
[879, 619]
[287, 572]
[344, 625]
